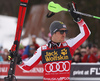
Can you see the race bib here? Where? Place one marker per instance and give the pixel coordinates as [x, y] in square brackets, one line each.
[53, 55]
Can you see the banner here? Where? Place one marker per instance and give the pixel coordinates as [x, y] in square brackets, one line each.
[85, 72]
[79, 72]
[35, 73]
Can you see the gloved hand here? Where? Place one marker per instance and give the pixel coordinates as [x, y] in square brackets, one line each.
[19, 59]
[12, 53]
[11, 56]
[72, 7]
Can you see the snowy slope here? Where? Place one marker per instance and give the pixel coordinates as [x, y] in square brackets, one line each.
[7, 30]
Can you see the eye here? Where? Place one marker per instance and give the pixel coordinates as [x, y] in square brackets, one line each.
[62, 31]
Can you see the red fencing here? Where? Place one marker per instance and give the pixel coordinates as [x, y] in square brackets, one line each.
[35, 73]
[79, 72]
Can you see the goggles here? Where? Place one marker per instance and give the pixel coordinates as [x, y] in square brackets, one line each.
[32, 48]
[62, 31]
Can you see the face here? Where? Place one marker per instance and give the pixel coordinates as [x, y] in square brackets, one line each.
[83, 51]
[77, 58]
[33, 39]
[59, 36]
[32, 49]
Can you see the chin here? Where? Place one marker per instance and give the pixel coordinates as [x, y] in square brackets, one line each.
[62, 41]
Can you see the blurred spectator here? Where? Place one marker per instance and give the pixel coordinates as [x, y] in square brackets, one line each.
[29, 51]
[1, 48]
[21, 49]
[77, 51]
[5, 54]
[42, 32]
[77, 57]
[83, 51]
[42, 35]
[1, 58]
[98, 55]
[94, 49]
[34, 42]
[90, 56]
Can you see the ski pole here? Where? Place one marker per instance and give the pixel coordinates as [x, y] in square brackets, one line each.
[54, 7]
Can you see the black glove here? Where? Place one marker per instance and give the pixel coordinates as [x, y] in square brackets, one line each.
[72, 7]
[19, 59]
[11, 56]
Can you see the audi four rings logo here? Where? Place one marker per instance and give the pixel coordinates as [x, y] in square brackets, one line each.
[57, 67]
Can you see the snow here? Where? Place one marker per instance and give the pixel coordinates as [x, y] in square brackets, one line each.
[7, 30]
[8, 26]
[39, 41]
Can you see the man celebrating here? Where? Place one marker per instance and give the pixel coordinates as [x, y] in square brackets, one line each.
[57, 55]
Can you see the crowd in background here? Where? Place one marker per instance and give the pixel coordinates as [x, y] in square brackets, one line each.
[24, 51]
[88, 54]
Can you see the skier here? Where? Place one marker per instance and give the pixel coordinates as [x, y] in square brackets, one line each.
[57, 55]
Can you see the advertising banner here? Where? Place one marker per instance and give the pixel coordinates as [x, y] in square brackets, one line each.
[85, 72]
[79, 72]
[35, 73]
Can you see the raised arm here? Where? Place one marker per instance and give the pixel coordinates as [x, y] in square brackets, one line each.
[84, 30]
[33, 61]
[81, 37]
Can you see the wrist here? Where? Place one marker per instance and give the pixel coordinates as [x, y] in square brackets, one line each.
[77, 19]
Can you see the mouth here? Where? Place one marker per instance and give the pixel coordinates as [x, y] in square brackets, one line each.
[63, 37]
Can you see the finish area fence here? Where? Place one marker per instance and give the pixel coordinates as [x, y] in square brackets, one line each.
[79, 72]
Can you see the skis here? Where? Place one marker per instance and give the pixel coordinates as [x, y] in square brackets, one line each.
[14, 50]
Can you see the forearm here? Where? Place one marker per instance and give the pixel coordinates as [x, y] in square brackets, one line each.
[32, 62]
[81, 37]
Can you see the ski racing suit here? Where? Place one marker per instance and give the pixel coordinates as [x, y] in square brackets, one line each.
[57, 62]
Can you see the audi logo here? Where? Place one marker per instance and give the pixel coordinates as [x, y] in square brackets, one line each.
[57, 66]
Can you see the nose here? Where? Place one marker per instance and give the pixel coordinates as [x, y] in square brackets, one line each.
[64, 34]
